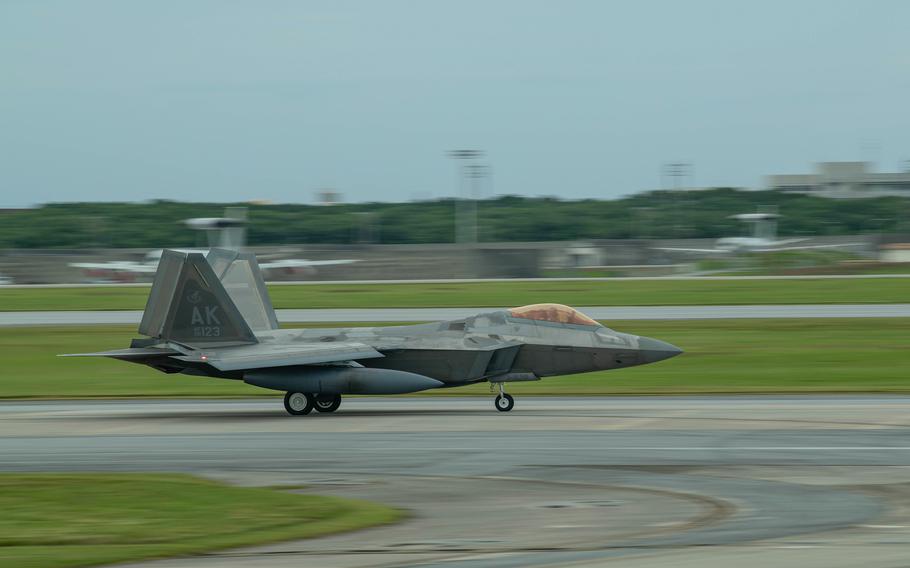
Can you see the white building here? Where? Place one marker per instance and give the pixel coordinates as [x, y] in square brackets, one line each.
[895, 252]
[843, 180]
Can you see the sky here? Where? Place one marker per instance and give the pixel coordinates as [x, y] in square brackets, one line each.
[226, 100]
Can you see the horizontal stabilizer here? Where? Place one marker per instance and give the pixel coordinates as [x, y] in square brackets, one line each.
[263, 356]
[130, 353]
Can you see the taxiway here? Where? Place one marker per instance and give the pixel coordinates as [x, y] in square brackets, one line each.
[642, 481]
[605, 313]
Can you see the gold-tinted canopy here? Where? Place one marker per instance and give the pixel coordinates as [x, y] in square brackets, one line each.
[556, 313]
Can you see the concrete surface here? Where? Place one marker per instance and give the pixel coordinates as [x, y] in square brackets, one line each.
[636, 481]
[474, 280]
[604, 313]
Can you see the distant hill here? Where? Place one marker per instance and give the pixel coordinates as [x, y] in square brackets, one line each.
[660, 214]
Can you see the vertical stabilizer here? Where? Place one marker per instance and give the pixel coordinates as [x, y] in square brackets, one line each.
[240, 275]
[188, 304]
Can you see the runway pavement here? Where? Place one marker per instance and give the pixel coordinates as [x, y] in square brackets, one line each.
[641, 481]
[605, 313]
[702, 277]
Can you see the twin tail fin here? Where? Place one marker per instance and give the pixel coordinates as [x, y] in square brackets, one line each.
[189, 304]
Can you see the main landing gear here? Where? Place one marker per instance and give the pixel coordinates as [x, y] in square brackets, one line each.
[504, 402]
[326, 402]
[299, 404]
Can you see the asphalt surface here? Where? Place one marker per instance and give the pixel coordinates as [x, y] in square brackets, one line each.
[474, 280]
[701, 277]
[604, 313]
[638, 481]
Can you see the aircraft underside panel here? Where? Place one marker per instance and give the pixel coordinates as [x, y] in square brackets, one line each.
[549, 360]
[340, 380]
[449, 366]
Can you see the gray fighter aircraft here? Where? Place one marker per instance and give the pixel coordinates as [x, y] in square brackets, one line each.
[210, 315]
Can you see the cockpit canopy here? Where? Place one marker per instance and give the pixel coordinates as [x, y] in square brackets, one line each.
[556, 313]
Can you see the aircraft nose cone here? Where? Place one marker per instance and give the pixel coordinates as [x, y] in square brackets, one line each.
[654, 350]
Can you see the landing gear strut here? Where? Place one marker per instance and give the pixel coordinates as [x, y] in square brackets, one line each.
[504, 402]
[298, 403]
[326, 402]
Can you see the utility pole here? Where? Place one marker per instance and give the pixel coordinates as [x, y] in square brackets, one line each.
[476, 173]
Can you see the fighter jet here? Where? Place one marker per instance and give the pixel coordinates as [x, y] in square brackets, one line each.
[210, 315]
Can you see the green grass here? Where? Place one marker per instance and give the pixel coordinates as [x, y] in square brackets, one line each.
[483, 294]
[62, 520]
[722, 356]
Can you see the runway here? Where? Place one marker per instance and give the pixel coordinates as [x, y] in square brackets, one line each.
[475, 280]
[604, 313]
[641, 481]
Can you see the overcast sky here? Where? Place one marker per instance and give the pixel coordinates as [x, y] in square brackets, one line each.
[230, 101]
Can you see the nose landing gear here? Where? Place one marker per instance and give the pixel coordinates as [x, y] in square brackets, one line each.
[504, 402]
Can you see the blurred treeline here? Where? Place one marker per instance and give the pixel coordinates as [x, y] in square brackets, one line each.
[660, 214]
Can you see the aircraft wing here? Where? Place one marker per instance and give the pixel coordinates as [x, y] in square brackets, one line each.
[124, 266]
[302, 263]
[809, 247]
[790, 241]
[280, 254]
[675, 249]
[264, 355]
[249, 357]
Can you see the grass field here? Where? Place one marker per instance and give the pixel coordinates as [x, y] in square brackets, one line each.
[722, 356]
[496, 294]
[63, 520]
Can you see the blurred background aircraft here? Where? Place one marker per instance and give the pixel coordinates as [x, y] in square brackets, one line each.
[228, 232]
[764, 239]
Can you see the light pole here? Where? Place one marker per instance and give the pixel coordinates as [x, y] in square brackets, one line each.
[678, 171]
[465, 204]
[476, 174]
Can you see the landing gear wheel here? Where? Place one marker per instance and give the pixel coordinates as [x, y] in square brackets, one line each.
[327, 402]
[297, 403]
[504, 402]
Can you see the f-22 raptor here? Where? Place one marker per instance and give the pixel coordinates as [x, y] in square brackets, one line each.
[210, 315]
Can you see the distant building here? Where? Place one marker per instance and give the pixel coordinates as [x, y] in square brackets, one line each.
[843, 180]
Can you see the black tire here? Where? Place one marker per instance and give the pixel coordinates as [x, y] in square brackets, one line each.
[327, 402]
[504, 402]
[298, 403]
